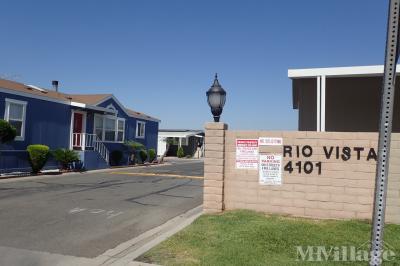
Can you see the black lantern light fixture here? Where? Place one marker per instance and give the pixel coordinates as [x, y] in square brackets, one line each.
[216, 97]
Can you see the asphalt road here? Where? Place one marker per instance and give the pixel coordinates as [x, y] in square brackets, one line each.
[86, 214]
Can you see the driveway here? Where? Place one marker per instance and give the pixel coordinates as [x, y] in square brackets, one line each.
[86, 214]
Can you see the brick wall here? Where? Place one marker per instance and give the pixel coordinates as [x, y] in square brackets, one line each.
[343, 190]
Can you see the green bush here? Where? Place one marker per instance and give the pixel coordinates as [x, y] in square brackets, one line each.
[116, 157]
[134, 149]
[65, 157]
[38, 155]
[152, 155]
[7, 131]
[180, 153]
[143, 155]
[134, 146]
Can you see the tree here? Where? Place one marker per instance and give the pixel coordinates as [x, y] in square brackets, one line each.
[180, 153]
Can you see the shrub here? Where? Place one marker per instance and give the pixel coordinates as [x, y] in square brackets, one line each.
[65, 157]
[180, 153]
[7, 131]
[38, 155]
[152, 155]
[134, 146]
[134, 149]
[143, 155]
[116, 157]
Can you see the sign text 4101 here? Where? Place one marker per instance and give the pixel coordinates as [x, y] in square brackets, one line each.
[307, 167]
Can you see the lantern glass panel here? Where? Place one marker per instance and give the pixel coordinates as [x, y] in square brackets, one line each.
[214, 100]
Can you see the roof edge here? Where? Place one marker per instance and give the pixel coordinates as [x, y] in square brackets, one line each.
[111, 96]
[349, 71]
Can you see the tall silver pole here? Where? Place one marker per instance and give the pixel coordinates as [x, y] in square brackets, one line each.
[385, 129]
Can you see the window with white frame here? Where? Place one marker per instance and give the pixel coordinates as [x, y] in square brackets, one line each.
[120, 130]
[109, 128]
[98, 126]
[15, 113]
[140, 129]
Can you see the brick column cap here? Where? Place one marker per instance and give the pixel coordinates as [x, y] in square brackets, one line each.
[216, 126]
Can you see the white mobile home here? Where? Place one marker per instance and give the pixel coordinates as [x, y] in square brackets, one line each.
[340, 98]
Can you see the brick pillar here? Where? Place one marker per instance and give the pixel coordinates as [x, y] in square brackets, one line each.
[213, 199]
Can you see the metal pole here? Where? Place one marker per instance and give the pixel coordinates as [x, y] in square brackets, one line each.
[385, 129]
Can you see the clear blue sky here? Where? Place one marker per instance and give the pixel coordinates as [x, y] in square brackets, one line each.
[159, 57]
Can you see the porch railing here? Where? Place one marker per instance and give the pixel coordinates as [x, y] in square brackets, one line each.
[84, 140]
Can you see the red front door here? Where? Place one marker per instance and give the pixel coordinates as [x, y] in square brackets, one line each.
[77, 129]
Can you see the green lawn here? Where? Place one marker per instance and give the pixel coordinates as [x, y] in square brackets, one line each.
[251, 238]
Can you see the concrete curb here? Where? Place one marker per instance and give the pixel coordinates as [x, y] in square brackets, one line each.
[125, 253]
[38, 177]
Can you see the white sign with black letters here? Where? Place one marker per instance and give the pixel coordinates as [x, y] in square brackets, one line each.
[270, 169]
[270, 141]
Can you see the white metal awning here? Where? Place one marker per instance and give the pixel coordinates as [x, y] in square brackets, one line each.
[351, 71]
[177, 134]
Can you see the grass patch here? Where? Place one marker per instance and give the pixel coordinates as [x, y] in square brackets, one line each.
[251, 238]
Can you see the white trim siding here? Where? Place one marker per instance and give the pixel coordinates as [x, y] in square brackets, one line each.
[8, 102]
[112, 107]
[115, 100]
[124, 109]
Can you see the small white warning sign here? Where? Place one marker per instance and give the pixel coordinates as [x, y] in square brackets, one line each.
[270, 169]
[247, 154]
[270, 141]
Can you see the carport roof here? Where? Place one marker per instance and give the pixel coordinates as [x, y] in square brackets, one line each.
[351, 71]
[178, 133]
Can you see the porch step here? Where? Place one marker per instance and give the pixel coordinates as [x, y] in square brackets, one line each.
[93, 160]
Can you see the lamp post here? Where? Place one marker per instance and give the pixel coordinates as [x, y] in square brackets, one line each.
[216, 97]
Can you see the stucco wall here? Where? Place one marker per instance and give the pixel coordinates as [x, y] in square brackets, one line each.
[344, 189]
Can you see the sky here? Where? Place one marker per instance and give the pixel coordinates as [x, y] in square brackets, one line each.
[160, 56]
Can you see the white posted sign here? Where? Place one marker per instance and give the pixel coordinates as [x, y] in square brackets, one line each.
[247, 154]
[270, 170]
[270, 141]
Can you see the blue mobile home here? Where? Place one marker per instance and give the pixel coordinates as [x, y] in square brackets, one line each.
[93, 124]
